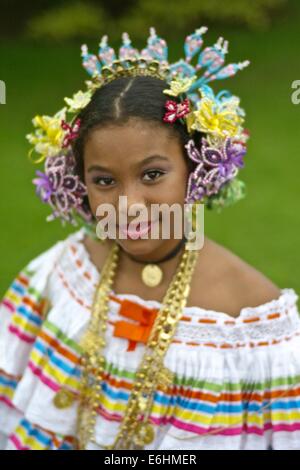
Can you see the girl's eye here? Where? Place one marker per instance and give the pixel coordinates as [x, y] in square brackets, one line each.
[102, 180]
[153, 172]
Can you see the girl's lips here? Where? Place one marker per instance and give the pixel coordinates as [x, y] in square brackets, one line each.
[136, 231]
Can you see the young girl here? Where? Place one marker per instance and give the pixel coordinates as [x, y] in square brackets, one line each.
[142, 343]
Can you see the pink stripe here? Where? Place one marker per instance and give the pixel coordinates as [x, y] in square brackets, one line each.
[109, 416]
[196, 429]
[6, 400]
[249, 429]
[230, 431]
[286, 427]
[38, 372]
[8, 304]
[22, 336]
[17, 443]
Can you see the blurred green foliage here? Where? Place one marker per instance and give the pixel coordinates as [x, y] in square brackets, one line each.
[179, 16]
[69, 21]
[84, 19]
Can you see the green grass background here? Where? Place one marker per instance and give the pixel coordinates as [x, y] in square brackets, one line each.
[263, 229]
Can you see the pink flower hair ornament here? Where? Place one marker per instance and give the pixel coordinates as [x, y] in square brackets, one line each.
[62, 190]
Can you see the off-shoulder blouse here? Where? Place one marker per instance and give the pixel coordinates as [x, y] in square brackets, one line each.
[236, 380]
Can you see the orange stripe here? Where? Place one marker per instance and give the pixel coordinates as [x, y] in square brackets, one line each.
[71, 292]
[23, 280]
[9, 376]
[273, 315]
[37, 308]
[186, 318]
[206, 320]
[73, 249]
[273, 394]
[251, 320]
[58, 347]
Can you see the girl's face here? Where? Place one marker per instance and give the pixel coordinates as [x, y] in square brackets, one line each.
[143, 162]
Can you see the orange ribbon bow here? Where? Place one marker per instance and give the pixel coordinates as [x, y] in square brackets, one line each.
[135, 333]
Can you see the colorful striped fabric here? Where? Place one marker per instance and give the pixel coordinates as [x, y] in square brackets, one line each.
[30, 437]
[242, 396]
[8, 385]
[25, 304]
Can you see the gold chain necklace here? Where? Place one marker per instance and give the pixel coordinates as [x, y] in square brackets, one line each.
[135, 430]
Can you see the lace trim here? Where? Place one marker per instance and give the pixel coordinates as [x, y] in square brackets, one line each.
[263, 333]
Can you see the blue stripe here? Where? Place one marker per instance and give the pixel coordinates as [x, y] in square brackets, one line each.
[8, 382]
[65, 446]
[34, 318]
[17, 288]
[63, 366]
[115, 394]
[43, 439]
[277, 405]
[161, 399]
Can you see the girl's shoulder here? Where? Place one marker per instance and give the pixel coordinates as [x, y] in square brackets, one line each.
[225, 282]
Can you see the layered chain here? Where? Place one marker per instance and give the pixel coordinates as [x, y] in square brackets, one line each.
[135, 430]
[92, 361]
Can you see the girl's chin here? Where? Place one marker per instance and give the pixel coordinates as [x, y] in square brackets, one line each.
[139, 246]
[138, 241]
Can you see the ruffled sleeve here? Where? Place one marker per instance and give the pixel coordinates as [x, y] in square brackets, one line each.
[22, 310]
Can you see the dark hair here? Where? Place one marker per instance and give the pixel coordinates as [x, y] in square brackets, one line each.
[124, 98]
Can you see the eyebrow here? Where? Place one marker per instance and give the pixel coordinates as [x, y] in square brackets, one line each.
[138, 164]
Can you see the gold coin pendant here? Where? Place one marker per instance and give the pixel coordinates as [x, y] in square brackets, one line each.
[152, 275]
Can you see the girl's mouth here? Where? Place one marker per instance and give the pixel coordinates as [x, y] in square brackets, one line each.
[135, 231]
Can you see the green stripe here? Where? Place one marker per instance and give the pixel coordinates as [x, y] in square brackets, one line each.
[30, 289]
[62, 337]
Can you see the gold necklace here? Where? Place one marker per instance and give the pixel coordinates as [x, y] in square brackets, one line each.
[152, 273]
[135, 430]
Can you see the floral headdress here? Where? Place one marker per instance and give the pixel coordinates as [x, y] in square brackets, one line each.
[218, 154]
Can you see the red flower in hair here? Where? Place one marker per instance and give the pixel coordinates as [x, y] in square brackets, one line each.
[72, 132]
[176, 110]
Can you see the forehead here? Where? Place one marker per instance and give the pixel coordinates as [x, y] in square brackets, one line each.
[132, 141]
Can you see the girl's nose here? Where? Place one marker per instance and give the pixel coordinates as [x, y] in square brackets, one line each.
[132, 205]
